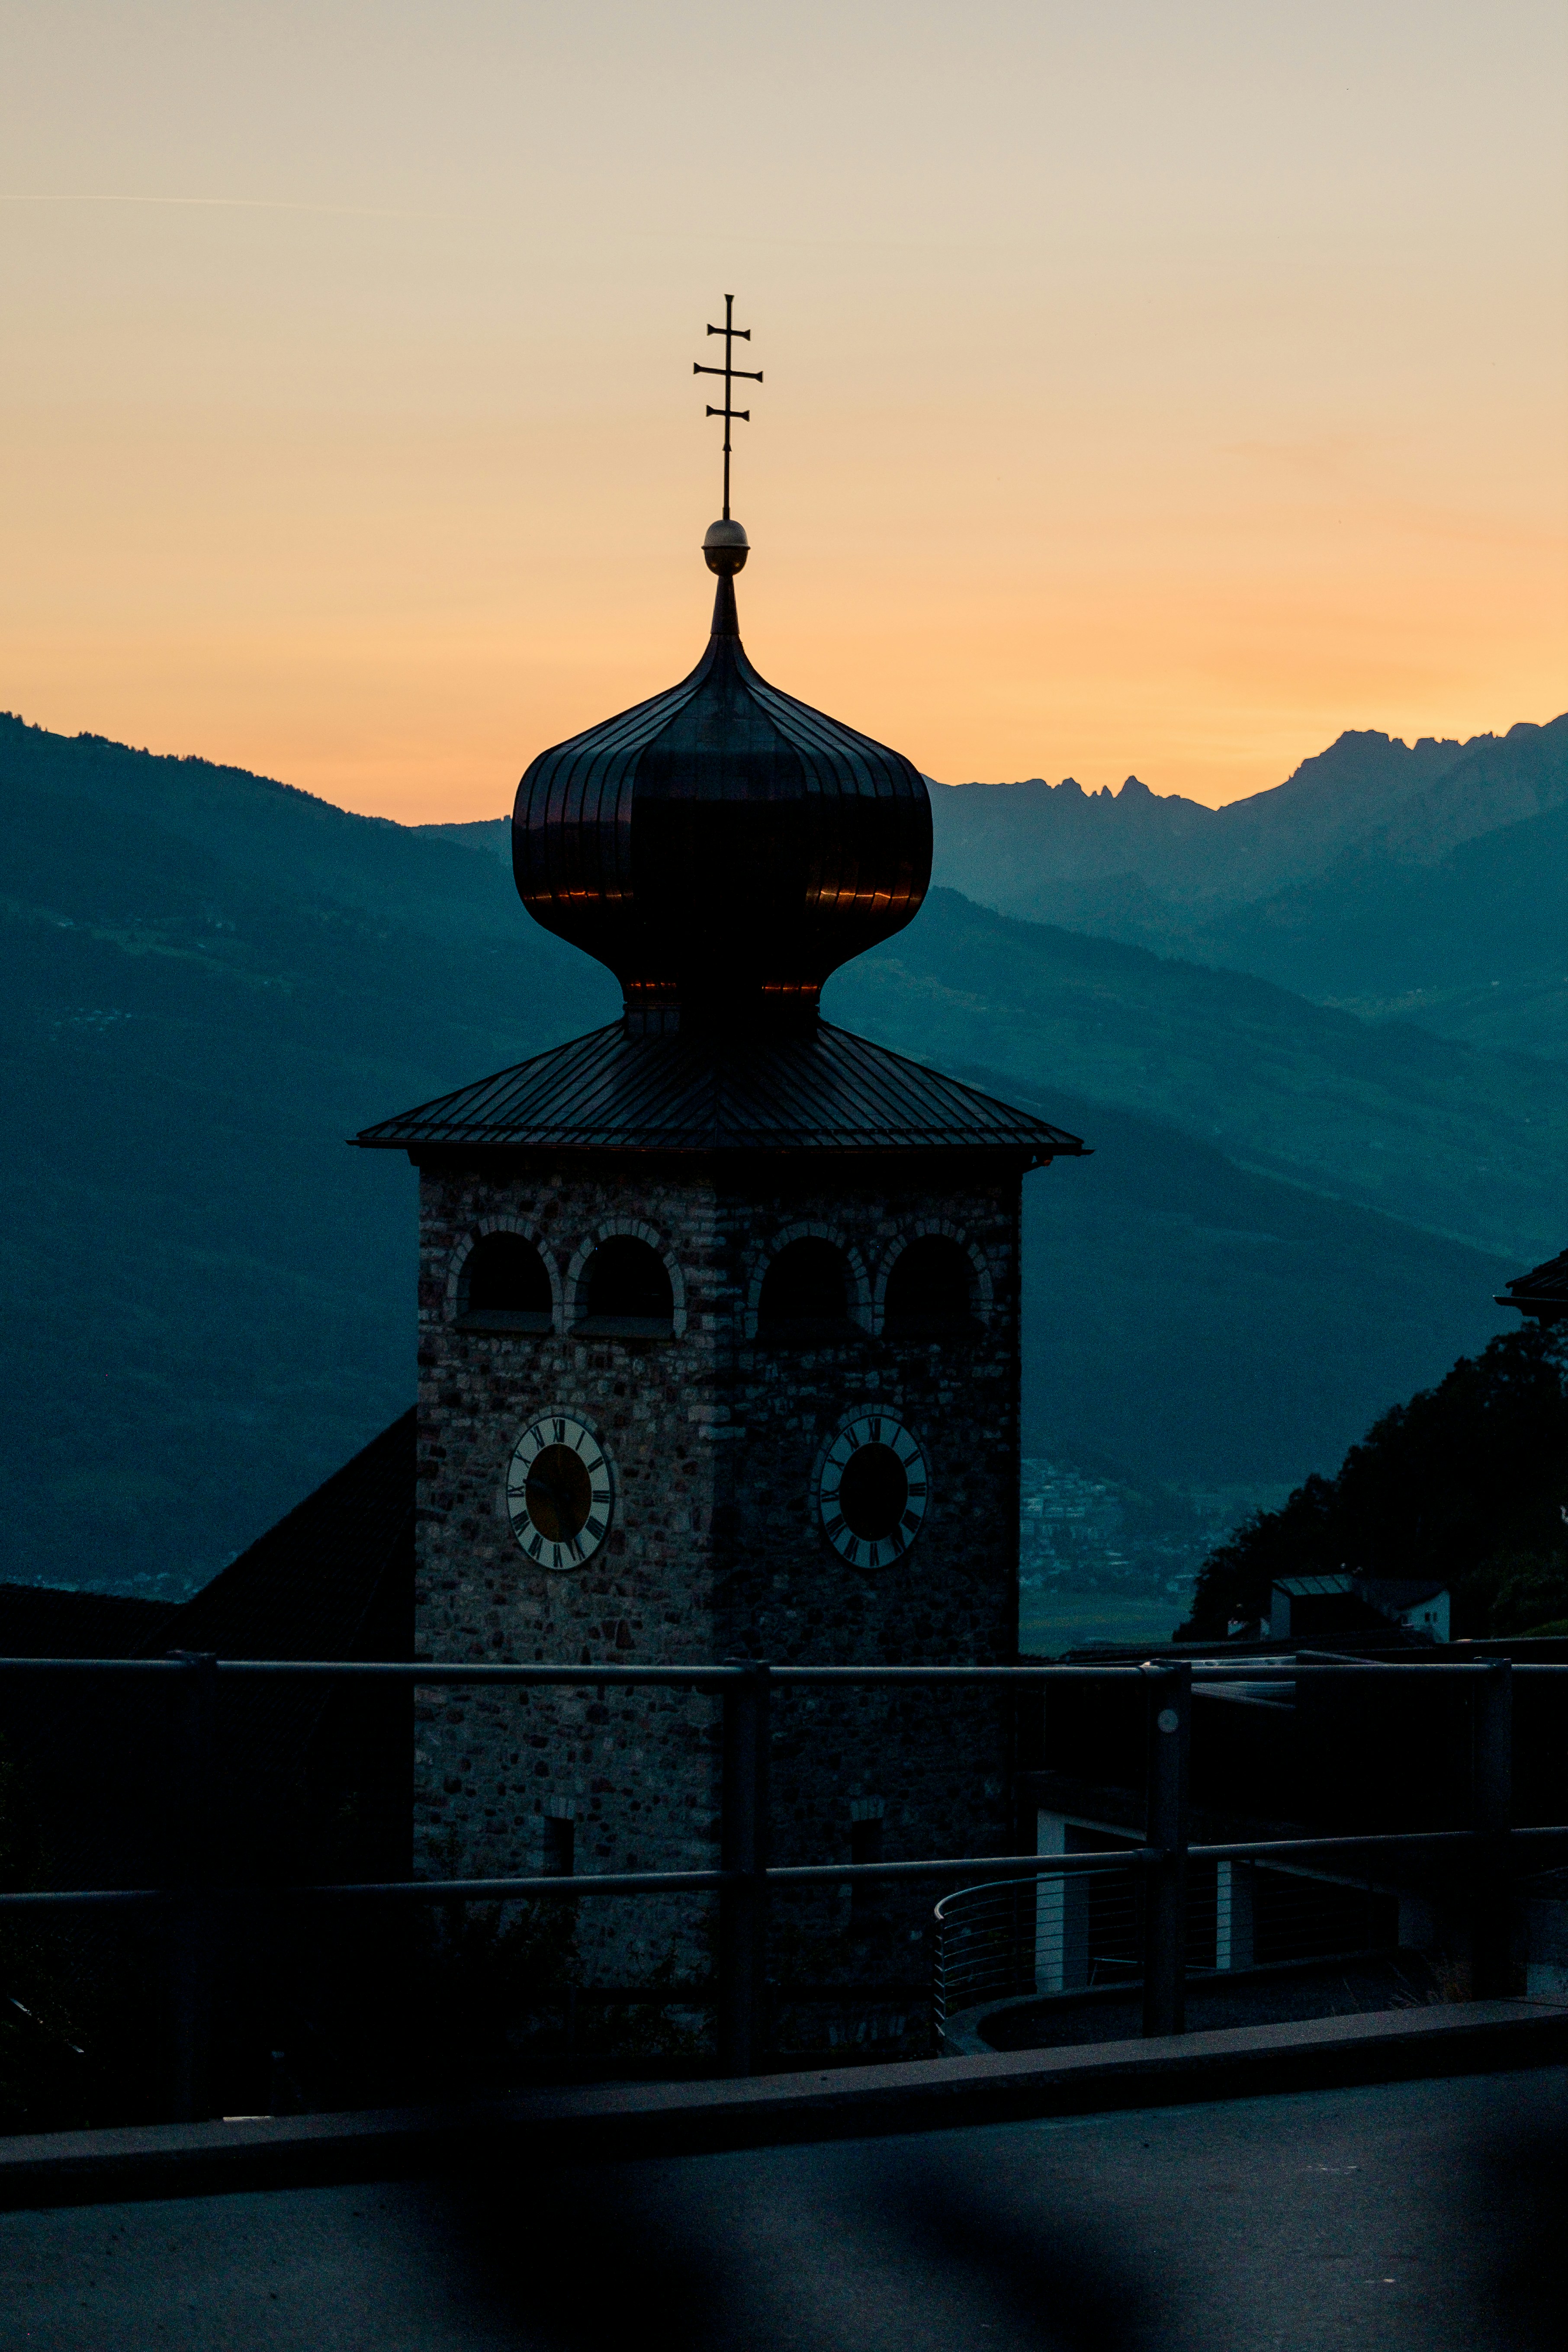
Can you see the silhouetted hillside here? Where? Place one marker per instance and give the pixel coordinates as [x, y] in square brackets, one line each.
[1196, 1324]
[1473, 946]
[1463, 1483]
[209, 1300]
[212, 981]
[1466, 1143]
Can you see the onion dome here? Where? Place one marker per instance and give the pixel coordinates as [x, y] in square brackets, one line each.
[722, 847]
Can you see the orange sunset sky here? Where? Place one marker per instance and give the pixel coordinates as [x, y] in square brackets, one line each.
[1148, 387]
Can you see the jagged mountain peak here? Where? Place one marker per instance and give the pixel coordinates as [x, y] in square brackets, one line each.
[1018, 846]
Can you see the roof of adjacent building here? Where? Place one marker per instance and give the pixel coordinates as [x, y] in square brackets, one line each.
[1387, 1592]
[609, 1092]
[334, 1579]
[305, 1588]
[1542, 1292]
[46, 1621]
[1382, 1592]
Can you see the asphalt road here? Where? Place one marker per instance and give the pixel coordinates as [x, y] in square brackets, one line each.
[1422, 2217]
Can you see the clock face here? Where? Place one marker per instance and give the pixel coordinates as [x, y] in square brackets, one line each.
[560, 1491]
[872, 1490]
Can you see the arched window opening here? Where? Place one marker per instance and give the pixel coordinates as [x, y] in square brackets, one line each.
[805, 1293]
[504, 1287]
[626, 1291]
[930, 1292]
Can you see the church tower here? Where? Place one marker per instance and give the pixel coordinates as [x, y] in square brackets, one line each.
[719, 1348]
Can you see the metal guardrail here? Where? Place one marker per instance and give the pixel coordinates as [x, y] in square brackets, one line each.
[995, 1941]
[1014, 1941]
[744, 1875]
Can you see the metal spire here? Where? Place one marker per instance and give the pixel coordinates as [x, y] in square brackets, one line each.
[730, 373]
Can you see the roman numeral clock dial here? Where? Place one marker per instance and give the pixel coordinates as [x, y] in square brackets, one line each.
[560, 1491]
[872, 1490]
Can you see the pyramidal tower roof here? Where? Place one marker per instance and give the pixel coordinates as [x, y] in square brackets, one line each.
[830, 1091]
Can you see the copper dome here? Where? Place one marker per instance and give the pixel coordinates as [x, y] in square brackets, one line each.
[722, 847]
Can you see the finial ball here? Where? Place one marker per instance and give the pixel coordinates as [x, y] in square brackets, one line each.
[725, 546]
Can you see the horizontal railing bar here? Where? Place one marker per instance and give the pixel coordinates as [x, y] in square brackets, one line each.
[434, 1672]
[92, 1666]
[999, 1868]
[1006, 1866]
[1202, 1673]
[1261, 1849]
[86, 1898]
[851, 1675]
[624, 1882]
[514, 1890]
[1447, 1668]
[429, 1673]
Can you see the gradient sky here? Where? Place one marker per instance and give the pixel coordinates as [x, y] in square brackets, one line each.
[1150, 387]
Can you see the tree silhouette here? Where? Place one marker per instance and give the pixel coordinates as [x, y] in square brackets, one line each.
[1467, 1483]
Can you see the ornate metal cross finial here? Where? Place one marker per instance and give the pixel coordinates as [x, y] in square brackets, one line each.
[730, 373]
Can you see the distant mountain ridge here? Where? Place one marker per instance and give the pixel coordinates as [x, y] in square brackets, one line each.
[211, 980]
[1003, 843]
[1423, 882]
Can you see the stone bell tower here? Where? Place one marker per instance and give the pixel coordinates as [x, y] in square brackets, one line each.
[717, 1318]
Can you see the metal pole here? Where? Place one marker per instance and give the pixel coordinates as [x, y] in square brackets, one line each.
[191, 1758]
[743, 1920]
[1492, 1952]
[1170, 1715]
[729, 403]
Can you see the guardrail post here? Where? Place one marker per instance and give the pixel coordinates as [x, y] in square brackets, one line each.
[193, 1927]
[1170, 1715]
[743, 1908]
[1492, 1952]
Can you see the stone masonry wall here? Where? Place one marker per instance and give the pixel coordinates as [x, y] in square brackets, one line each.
[715, 1551]
[937, 1760]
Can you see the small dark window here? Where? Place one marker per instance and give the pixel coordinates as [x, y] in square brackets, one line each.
[805, 1293]
[866, 1901]
[626, 1292]
[930, 1292]
[560, 1848]
[504, 1287]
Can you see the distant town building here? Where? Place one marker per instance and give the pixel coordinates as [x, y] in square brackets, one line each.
[1068, 1526]
[1304, 1607]
[1542, 1293]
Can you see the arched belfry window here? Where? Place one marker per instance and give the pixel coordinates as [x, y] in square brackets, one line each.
[503, 1286]
[805, 1293]
[624, 1291]
[930, 1292]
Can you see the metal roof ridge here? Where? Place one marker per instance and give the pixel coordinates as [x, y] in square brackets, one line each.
[833, 1089]
[475, 1086]
[676, 696]
[959, 1085]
